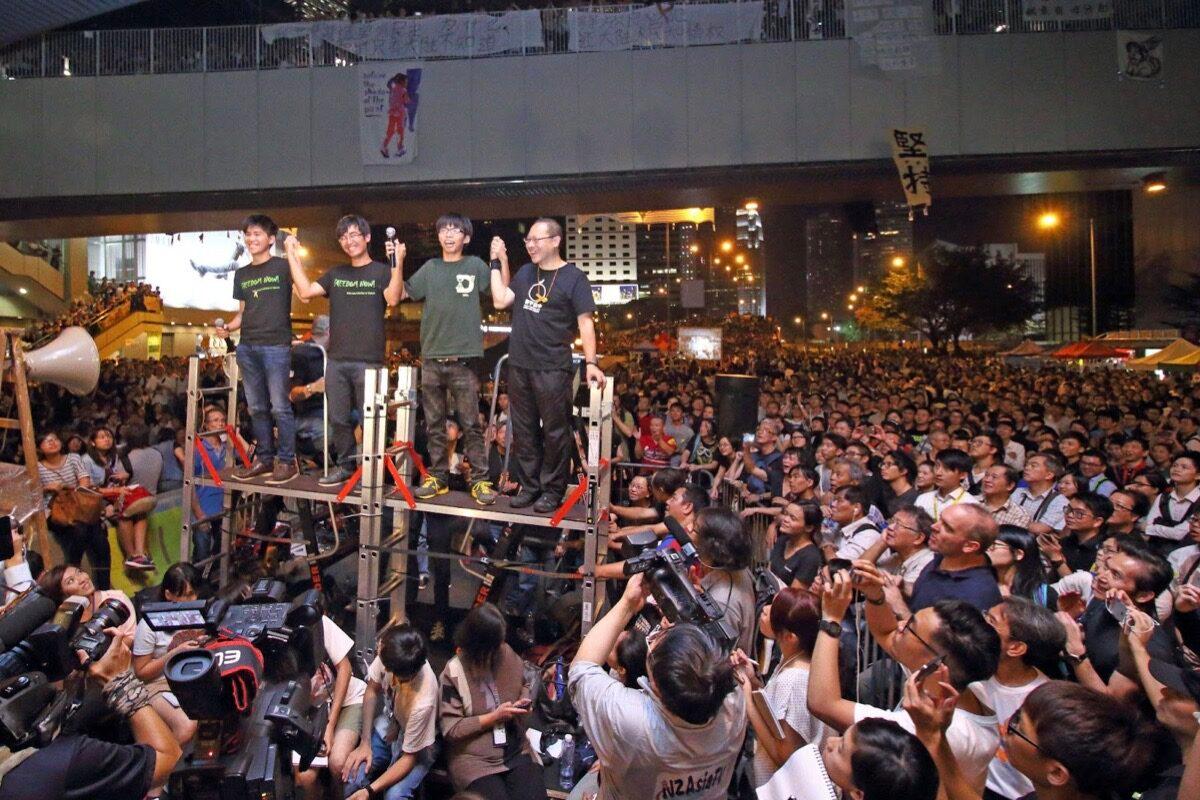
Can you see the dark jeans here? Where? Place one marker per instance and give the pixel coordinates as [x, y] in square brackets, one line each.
[540, 404]
[266, 377]
[523, 781]
[204, 537]
[452, 387]
[76, 540]
[344, 392]
[441, 530]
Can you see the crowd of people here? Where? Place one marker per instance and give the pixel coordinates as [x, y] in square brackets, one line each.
[912, 575]
[104, 296]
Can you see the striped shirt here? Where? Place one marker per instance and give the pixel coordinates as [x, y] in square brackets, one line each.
[67, 473]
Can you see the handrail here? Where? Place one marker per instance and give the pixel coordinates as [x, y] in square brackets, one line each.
[528, 32]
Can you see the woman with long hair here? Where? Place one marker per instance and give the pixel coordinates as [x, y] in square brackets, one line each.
[66, 580]
[795, 558]
[152, 648]
[1017, 559]
[101, 460]
[485, 699]
[60, 471]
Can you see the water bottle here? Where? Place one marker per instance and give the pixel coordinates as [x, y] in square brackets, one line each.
[566, 763]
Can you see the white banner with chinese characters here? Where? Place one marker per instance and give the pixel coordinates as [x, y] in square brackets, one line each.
[911, 154]
[664, 25]
[894, 35]
[389, 97]
[442, 36]
[1065, 10]
[1140, 55]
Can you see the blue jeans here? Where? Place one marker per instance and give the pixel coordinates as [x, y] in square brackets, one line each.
[383, 755]
[266, 377]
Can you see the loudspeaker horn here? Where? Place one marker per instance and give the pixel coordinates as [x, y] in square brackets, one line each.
[70, 361]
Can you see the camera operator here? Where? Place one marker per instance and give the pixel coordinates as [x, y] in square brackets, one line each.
[682, 732]
[77, 766]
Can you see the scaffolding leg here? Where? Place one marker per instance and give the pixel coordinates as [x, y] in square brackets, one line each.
[374, 444]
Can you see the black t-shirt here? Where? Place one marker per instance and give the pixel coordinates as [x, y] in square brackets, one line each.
[266, 289]
[356, 310]
[81, 767]
[1102, 637]
[1080, 556]
[307, 366]
[804, 564]
[542, 332]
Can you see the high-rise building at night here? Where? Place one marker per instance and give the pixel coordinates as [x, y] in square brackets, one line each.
[889, 238]
[604, 247]
[828, 251]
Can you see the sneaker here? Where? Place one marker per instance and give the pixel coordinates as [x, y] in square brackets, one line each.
[523, 498]
[422, 581]
[547, 504]
[284, 471]
[438, 632]
[255, 469]
[484, 493]
[430, 488]
[336, 477]
[140, 562]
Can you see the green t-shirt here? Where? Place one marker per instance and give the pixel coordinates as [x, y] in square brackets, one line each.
[451, 318]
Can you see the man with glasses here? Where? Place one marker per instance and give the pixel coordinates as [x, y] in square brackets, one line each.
[903, 550]
[985, 450]
[1085, 519]
[1093, 465]
[950, 630]
[551, 299]
[1129, 508]
[1044, 503]
[452, 350]
[359, 293]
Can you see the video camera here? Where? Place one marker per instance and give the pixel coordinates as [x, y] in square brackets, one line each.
[249, 690]
[41, 642]
[666, 571]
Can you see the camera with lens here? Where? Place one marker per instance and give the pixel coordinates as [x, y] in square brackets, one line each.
[666, 573]
[41, 643]
[249, 690]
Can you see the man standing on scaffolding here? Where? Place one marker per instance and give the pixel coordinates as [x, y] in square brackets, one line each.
[550, 299]
[451, 354]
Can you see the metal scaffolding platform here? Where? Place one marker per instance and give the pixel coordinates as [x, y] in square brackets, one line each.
[387, 406]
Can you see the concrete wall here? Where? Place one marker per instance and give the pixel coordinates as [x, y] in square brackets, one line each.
[594, 112]
[1166, 248]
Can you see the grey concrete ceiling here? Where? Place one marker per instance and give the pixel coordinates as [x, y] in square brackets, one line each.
[20, 19]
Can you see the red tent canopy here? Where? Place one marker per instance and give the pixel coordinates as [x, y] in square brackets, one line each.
[1089, 349]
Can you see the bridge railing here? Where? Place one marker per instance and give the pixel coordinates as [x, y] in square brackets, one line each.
[545, 31]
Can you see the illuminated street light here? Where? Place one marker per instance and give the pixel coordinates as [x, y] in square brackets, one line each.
[628, 315]
[752, 206]
[726, 246]
[740, 259]
[797, 320]
[853, 297]
[694, 248]
[898, 261]
[850, 306]
[862, 290]
[824, 315]
[1049, 220]
[717, 260]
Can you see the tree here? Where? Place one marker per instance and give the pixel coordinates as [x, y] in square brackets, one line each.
[954, 291]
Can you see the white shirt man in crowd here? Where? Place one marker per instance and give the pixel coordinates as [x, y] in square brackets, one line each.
[1044, 504]
[1169, 514]
[950, 470]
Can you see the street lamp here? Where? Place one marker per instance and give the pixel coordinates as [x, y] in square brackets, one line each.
[862, 290]
[739, 259]
[797, 320]
[897, 261]
[824, 315]
[1050, 220]
[694, 248]
[726, 246]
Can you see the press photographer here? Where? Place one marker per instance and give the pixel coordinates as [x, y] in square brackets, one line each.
[79, 766]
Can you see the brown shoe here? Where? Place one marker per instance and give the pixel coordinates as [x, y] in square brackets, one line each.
[256, 469]
[284, 471]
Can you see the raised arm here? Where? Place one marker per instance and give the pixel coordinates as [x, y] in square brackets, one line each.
[303, 287]
[393, 293]
[502, 296]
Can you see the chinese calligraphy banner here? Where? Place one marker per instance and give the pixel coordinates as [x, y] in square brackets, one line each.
[1140, 55]
[1065, 10]
[443, 36]
[911, 154]
[894, 35]
[664, 25]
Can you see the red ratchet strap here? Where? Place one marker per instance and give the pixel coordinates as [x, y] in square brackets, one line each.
[401, 486]
[574, 497]
[237, 443]
[348, 487]
[208, 465]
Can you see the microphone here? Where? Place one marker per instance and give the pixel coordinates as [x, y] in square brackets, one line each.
[391, 232]
[391, 237]
[219, 322]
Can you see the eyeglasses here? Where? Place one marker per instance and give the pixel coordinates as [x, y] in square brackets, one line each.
[894, 523]
[450, 229]
[1128, 509]
[354, 236]
[908, 627]
[1077, 512]
[1014, 729]
[532, 239]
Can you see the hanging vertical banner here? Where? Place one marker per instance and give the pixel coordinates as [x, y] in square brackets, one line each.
[389, 94]
[911, 154]
[1065, 10]
[1140, 55]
